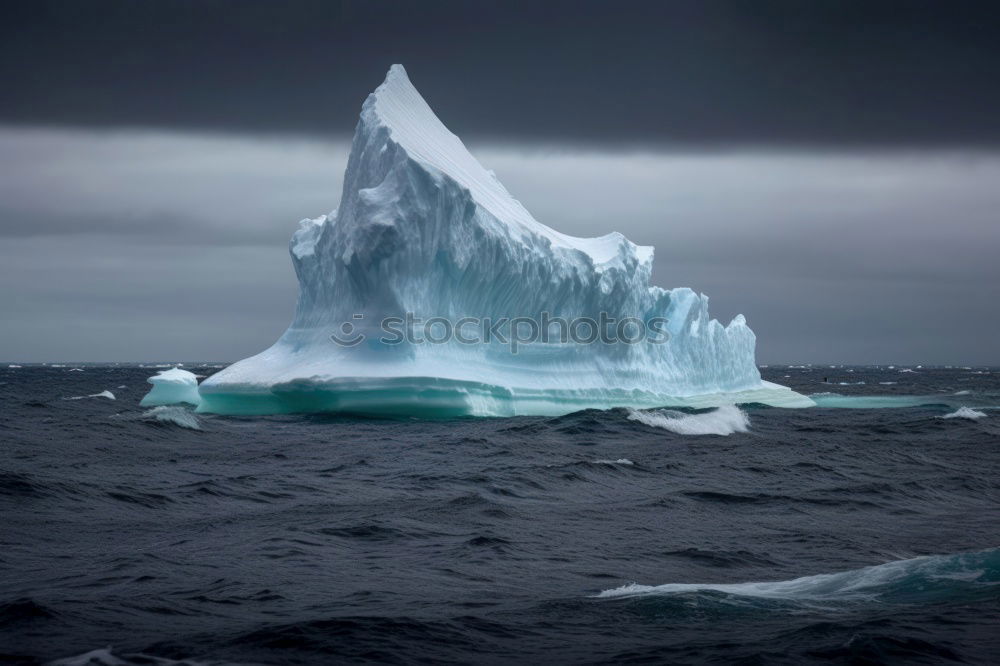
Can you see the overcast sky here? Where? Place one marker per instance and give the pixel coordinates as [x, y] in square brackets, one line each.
[830, 170]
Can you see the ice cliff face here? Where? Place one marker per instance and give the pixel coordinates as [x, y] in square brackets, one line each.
[423, 228]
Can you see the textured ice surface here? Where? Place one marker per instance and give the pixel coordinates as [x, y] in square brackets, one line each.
[422, 227]
[172, 387]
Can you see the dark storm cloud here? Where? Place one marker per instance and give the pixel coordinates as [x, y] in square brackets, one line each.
[877, 72]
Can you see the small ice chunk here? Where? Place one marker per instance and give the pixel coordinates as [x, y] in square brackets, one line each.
[172, 387]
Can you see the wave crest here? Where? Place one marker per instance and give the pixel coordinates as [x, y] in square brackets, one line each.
[917, 580]
[172, 414]
[965, 413]
[724, 420]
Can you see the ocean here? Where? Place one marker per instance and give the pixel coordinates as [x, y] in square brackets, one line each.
[866, 530]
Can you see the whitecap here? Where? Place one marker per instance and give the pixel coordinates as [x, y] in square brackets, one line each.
[908, 581]
[106, 657]
[173, 414]
[965, 413]
[722, 421]
[103, 394]
[620, 461]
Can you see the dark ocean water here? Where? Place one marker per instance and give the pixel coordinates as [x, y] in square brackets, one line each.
[312, 540]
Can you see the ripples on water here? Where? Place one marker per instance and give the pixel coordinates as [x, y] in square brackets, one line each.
[592, 537]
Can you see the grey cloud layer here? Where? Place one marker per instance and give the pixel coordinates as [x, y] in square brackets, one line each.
[169, 245]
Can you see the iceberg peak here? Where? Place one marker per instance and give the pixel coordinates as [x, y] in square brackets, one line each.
[397, 106]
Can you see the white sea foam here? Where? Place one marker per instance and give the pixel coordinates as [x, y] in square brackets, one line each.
[620, 461]
[173, 414]
[962, 392]
[965, 413]
[722, 421]
[106, 657]
[103, 394]
[902, 580]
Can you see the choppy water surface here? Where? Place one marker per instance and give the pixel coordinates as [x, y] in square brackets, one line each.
[864, 530]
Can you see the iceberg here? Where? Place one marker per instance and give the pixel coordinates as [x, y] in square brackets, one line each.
[424, 233]
[172, 387]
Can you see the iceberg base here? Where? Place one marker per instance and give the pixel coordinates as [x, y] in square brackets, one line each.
[432, 397]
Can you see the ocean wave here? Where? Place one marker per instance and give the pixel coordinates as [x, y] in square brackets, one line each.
[918, 580]
[23, 610]
[173, 414]
[106, 657]
[13, 484]
[965, 413]
[620, 461]
[724, 420]
[103, 394]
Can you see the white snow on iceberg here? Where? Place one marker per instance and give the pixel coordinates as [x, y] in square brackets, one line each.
[423, 228]
[172, 387]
